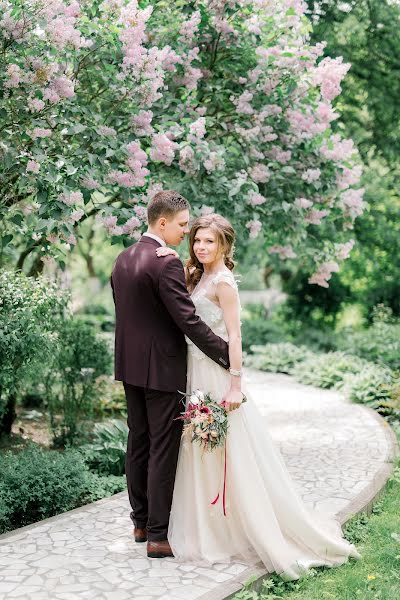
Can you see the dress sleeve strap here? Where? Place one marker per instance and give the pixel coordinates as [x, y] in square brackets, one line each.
[226, 277]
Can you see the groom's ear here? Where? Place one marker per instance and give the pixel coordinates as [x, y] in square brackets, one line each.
[162, 222]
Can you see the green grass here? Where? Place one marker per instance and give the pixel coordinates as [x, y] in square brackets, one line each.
[375, 577]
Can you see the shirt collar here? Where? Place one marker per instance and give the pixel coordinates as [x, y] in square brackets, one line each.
[155, 237]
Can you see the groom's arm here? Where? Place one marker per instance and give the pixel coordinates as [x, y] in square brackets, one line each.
[174, 294]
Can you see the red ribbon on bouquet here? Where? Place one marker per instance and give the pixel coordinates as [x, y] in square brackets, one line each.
[224, 488]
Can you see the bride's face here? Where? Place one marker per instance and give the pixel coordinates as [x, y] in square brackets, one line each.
[205, 246]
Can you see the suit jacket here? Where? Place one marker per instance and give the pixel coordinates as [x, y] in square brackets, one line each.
[153, 313]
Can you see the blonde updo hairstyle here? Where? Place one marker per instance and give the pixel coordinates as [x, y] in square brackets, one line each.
[225, 236]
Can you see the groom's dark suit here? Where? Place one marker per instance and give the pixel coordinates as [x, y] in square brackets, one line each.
[153, 312]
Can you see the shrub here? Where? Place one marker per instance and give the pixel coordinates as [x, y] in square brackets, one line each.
[30, 310]
[111, 402]
[36, 484]
[379, 343]
[277, 358]
[102, 487]
[369, 386]
[326, 370]
[107, 452]
[258, 329]
[75, 379]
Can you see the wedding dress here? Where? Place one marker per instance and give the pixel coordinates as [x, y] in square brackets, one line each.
[265, 517]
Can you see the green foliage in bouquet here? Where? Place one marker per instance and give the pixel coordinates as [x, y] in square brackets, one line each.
[205, 421]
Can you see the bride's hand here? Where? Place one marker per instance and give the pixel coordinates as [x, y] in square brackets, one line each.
[232, 400]
[165, 251]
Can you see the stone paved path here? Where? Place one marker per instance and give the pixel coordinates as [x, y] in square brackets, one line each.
[338, 454]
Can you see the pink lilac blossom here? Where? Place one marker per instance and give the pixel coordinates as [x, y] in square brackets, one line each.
[33, 166]
[90, 183]
[141, 123]
[314, 217]
[141, 213]
[109, 223]
[107, 131]
[214, 162]
[250, 134]
[255, 227]
[70, 198]
[163, 149]
[131, 226]
[124, 179]
[197, 130]
[255, 199]
[71, 239]
[169, 59]
[283, 251]
[268, 111]
[189, 28]
[352, 202]
[343, 250]
[326, 113]
[206, 210]
[77, 215]
[60, 87]
[53, 238]
[337, 149]
[30, 208]
[187, 160]
[35, 104]
[348, 177]
[61, 32]
[311, 175]
[324, 273]
[303, 124]
[14, 76]
[303, 203]
[222, 25]
[281, 156]
[243, 105]
[190, 78]
[328, 75]
[40, 132]
[260, 173]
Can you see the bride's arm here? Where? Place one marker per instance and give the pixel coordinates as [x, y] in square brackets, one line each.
[229, 301]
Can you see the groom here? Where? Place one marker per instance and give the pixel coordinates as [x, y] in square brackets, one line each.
[153, 313]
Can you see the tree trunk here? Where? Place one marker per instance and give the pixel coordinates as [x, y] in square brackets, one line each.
[8, 415]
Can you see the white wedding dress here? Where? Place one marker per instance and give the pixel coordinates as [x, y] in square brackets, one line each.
[265, 517]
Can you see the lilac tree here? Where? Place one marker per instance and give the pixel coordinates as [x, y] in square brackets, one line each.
[104, 103]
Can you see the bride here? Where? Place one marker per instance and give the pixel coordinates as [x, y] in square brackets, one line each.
[238, 502]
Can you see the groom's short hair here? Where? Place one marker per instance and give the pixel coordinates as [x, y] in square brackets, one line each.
[165, 204]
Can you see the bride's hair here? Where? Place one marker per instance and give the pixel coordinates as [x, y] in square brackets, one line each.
[225, 237]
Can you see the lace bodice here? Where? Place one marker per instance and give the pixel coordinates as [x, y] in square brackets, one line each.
[208, 310]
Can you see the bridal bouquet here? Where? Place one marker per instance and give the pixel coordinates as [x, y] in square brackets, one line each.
[205, 421]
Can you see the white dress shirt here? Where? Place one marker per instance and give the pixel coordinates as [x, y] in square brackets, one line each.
[155, 237]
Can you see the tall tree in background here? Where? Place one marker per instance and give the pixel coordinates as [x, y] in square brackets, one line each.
[366, 34]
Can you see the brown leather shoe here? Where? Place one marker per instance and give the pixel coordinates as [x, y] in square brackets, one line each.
[159, 549]
[140, 535]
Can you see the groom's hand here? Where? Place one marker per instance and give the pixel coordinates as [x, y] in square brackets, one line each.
[232, 400]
